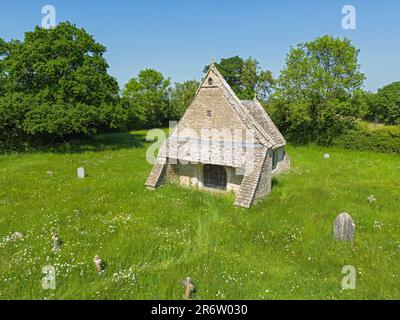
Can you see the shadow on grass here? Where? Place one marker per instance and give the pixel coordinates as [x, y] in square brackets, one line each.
[274, 182]
[103, 142]
[110, 141]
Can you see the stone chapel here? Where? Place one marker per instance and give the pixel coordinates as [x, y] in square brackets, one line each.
[222, 143]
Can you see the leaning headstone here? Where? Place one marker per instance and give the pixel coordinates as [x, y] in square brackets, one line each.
[189, 288]
[343, 227]
[81, 173]
[327, 156]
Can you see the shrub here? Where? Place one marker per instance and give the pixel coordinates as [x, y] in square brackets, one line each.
[364, 137]
[385, 105]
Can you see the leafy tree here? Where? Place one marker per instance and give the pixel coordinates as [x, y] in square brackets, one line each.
[255, 81]
[231, 70]
[147, 100]
[63, 73]
[384, 106]
[245, 77]
[13, 108]
[360, 102]
[181, 95]
[314, 93]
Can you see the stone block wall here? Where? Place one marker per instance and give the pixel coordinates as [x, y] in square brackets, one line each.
[265, 181]
[282, 161]
[192, 175]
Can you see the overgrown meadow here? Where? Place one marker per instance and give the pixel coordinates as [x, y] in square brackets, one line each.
[281, 248]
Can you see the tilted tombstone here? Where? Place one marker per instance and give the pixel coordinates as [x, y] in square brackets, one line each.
[189, 288]
[81, 173]
[343, 227]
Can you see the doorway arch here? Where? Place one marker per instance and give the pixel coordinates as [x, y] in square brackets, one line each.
[214, 176]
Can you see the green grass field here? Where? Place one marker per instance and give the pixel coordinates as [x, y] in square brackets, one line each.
[282, 248]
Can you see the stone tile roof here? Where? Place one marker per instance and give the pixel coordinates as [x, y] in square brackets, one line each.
[231, 154]
[258, 112]
[255, 128]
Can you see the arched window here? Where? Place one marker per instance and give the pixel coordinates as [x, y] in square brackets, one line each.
[210, 81]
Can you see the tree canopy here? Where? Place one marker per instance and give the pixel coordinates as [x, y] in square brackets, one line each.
[147, 99]
[314, 92]
[58, 79]
[181, 96]
[54, 84]
[384, 106]
[246, 77]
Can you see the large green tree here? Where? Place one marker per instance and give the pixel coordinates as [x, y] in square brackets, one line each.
[384, 106]
[181, 95]
[147, 100]
[246, 77]
[315, 90]
[255, 81]
[63, 73]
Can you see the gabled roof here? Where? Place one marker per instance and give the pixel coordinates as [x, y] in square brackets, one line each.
[251, 113]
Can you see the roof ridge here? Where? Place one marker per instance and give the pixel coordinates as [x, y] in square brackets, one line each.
[267, 137]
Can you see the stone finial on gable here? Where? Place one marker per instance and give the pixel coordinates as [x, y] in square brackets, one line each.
[212, 62]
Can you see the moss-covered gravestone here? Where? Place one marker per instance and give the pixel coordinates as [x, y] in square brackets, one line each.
[343, 227]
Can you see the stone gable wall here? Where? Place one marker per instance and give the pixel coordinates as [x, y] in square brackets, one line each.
[211, 110]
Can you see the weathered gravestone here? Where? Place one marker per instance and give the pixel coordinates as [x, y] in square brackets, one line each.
[343, 227]
[56, 242]
[188, 288]
[81, 173]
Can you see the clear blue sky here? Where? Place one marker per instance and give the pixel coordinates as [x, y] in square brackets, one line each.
[179, 37]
